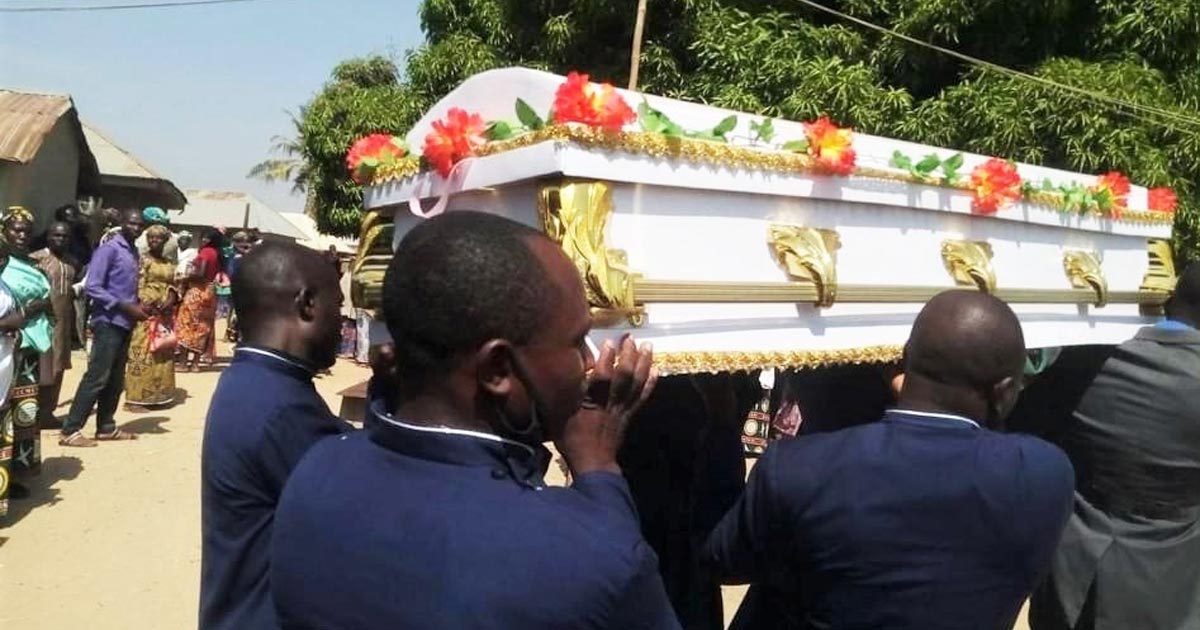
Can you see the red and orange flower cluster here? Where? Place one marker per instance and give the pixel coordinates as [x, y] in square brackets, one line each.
[1162, 199]
[454, 139]
[1112, 192]
[370, 152]
[995, 184]
[830, 146]
[580, 101]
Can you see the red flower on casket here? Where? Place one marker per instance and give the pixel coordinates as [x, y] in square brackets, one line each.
[1112, 192]
[1162, 199]
[830, 146]
[995, 184]
[368, 152]
[580, 101]
[454, 139]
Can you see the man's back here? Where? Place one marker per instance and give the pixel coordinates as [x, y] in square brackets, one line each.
[1134, 537]
[416, 528]
[917, 521]
[265, 415]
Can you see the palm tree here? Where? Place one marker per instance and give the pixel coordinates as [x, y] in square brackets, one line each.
[291, 167]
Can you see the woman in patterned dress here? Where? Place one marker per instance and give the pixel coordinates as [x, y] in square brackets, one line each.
[31, 290]
[198, 315]
[150, 376]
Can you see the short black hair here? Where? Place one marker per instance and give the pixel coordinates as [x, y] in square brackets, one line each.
[458, 280]
[1185, 300]
[61, 211]
[267, 281]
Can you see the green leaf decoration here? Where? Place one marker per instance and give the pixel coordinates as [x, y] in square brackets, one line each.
[899, 160]
[528, 117]
[927, 164]
[950, 168]
[500, 130]
[369, 162]
[763, 131]
[655, 121]
[795, 146]
[725, 126]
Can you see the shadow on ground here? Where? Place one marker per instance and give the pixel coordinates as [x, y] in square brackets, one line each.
[149, 425]
[42, 490]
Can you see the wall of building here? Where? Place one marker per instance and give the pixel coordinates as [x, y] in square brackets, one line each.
[48, 181]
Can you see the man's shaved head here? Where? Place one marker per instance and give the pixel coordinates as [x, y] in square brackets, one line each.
[1184, 305]
[277, 286]
[965, 348]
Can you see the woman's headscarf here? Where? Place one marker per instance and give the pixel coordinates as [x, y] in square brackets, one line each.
[158, 230]
[154, 214]
[16, 213]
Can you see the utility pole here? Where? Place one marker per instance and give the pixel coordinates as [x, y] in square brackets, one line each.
[636, 58]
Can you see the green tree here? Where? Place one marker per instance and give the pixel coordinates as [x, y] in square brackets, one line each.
[785, 58]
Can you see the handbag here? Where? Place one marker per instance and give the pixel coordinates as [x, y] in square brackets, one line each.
[161, 337]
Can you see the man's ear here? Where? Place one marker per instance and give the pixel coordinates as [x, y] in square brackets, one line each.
[494, 369]
[1004, 395]
[306, 304]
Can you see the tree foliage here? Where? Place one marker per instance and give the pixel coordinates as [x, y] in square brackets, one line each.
[783, 58]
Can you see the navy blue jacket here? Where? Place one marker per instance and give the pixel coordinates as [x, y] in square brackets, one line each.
[916, 521]
[265, 414]
[411, 527]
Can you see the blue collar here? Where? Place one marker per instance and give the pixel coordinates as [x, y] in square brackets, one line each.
[276, 359]
[1171, 324]
[522, 463]
[927, 419]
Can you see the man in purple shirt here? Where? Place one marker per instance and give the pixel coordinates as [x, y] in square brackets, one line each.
[112, 288]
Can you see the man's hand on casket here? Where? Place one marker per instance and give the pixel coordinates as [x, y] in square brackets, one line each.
[622, 380]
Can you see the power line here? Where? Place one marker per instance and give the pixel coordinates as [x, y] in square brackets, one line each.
[117, 7]
[1104, 98]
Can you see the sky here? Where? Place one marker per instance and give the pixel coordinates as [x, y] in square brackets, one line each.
[198, 92]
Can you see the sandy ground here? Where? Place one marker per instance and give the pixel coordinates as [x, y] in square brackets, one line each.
[110, 539]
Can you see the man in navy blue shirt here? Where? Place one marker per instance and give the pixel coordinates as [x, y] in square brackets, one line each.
[438, 516]
[927, 519]
[265, 414]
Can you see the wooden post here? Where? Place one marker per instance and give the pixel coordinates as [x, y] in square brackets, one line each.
[246, 217]
[636, 59]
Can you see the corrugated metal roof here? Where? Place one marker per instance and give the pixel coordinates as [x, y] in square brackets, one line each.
[25, 120]
[316, 240]
[228, 209]
[115, 161]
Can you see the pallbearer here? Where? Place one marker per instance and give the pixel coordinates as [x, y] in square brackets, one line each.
[438, 515]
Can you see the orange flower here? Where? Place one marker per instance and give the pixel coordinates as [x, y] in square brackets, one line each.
[1162, 199]
[453, 139]
[368, 152]
[830, 146]
[995, 184]
[579, 101]
[1112, 192]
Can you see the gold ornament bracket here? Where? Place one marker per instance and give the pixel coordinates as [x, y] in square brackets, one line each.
[1160, 274]
[970, 264]
[807, 254]
[1083, 270]
[371, 260]
[575, 215]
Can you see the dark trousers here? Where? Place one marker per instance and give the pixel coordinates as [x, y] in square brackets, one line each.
[103, 382]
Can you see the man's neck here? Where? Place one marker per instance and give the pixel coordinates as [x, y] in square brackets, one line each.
[287, 345]
[435, 411]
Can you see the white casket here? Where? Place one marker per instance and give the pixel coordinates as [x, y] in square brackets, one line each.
[737, 254]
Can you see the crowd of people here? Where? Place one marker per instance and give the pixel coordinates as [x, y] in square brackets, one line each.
[139, 297]
[912, 496]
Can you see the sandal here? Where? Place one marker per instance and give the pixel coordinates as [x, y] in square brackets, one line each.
[75, 439]
[116, 435]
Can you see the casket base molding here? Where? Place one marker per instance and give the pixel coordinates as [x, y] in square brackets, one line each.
[714, 362]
